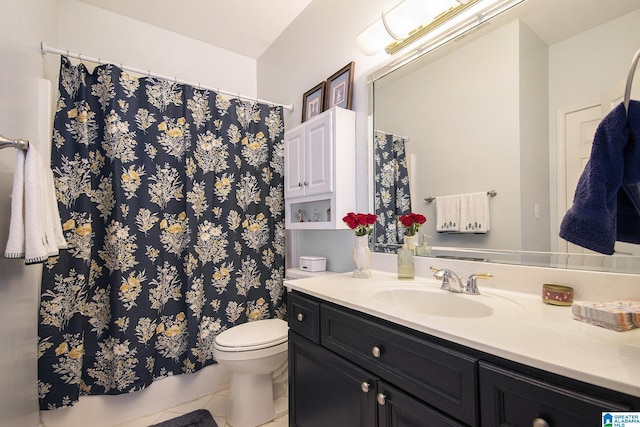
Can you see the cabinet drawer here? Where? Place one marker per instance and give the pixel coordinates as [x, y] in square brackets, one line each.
[510, 398]
[441, 377]
[304, 316]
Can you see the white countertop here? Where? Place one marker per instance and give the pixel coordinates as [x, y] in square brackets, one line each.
[522, 329]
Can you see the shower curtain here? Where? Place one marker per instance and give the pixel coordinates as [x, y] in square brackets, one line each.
[392, 198]
[171, 198]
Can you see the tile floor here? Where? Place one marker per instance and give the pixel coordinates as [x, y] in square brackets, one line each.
[215, 403]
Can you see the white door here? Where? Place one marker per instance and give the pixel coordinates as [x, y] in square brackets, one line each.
[579, 126]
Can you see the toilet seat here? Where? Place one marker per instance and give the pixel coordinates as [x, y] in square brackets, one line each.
[253, 336]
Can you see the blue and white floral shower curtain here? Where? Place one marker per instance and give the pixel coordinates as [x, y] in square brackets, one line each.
[172, 200]
[392, 196]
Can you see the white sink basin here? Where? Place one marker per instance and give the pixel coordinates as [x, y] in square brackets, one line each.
[429, 299]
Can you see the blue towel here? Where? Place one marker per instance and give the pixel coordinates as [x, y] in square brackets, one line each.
[606, 204]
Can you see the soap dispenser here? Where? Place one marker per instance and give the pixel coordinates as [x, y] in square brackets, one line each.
[424, 249]
[405, 263]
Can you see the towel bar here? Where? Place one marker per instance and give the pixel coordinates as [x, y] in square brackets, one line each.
[492, 193]
[627, 89]
[5, 142]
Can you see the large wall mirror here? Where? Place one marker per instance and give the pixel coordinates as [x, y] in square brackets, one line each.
[509, 107]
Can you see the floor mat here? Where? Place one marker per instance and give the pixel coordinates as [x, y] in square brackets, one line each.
[199, 418]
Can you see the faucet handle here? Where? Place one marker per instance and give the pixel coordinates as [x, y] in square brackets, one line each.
[472, 286]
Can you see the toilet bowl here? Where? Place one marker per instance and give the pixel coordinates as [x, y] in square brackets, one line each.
[254, 352]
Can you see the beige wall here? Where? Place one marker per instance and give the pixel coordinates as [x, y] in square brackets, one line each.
[320, 42]
[24, 24]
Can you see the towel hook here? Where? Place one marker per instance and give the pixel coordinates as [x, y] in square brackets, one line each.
[627, 89]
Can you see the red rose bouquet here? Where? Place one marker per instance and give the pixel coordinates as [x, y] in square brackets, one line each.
[412, 222]
[360, 222]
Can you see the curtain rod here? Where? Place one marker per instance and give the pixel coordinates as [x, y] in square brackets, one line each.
[81, 57]
[406, 138]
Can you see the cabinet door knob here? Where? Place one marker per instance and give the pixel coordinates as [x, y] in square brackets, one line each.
[365, 387]
[376, 352]
[539, 422]
[300, 316]
[306, 183]
[381, 398]
[299, 184]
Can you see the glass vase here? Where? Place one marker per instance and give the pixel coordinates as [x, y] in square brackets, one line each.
[361, 257]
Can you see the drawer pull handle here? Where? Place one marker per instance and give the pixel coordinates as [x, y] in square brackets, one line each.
[300, 316]
[365, 387]
[376, 352]
[539, 422]
[381, 398]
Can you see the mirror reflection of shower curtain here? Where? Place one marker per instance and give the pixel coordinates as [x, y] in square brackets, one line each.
[392, 192]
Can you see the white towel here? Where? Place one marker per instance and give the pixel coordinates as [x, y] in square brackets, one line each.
[15, 241]
[447, 214]
[474, 213]
[35, 230]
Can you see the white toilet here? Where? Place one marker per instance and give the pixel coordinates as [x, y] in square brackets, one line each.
[256, 355]
[254, 352]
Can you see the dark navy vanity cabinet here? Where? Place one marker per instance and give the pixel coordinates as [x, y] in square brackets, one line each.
[351, 369]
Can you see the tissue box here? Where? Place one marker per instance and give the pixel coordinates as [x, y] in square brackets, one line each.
[313, 263]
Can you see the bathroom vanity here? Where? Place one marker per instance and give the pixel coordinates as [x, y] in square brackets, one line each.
[384, 352]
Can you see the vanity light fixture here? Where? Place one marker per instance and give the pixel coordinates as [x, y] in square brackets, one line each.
[410, 20]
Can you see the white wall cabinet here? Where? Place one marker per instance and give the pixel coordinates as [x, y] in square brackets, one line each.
[319, 174]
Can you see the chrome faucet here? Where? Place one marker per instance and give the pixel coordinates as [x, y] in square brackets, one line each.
[453, 283]
[450, 281]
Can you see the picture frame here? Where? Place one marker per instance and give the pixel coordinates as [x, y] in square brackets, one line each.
[339, 88]
[313, 101]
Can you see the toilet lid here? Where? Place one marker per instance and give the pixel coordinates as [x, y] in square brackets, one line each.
[261, 333]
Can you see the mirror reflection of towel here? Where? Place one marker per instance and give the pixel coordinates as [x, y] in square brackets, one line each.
[474, 213]
[447, 214]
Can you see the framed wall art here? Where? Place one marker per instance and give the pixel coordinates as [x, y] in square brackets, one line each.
[339, 88]
[313, 101]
